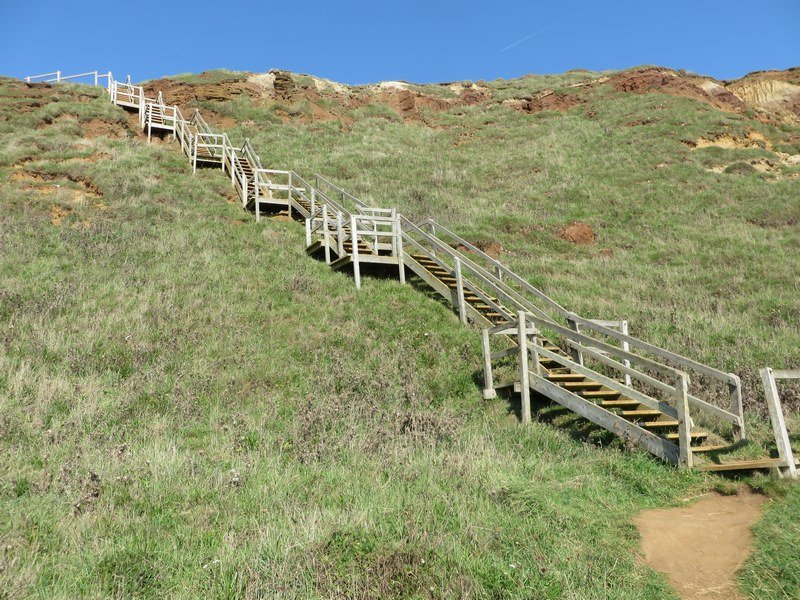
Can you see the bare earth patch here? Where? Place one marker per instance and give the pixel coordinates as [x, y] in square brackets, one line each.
[578, 233]
[701, 546]
[102, 128]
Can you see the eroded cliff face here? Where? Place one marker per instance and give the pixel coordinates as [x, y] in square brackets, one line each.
[772, 91]
[773, 95]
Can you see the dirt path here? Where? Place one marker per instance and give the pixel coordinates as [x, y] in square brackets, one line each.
[700, 546]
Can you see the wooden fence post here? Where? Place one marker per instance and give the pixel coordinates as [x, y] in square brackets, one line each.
[623, 327]
[401, 266]
[778, 423]
[488, 377]
[326, 234]
[462, 308]
[524, 380]
[737, 406]
[256, 193]
[354, 250]
[339, 234]
[577, 355]
[289, 196]
[308, 232]
[684, 420]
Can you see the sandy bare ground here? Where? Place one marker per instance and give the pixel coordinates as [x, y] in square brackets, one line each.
[701, 546]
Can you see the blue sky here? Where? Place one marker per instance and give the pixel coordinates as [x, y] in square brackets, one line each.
[422, 41]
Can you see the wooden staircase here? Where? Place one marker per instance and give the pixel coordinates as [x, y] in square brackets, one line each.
[483, 291]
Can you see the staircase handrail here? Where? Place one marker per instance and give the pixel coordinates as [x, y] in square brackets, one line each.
[499, 266]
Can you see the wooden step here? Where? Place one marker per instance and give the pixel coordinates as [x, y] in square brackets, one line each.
[565, 376]
[579, 385]
[662, 424]
[635, 414]
[619, 403]
[696, 449]
[601, 394]
[695, 435]
[743, 465]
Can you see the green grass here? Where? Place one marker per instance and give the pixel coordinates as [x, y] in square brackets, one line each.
[190, 407]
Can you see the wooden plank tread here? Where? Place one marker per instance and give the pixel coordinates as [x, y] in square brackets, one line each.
[743, 465]
[660, 424]
[641, 413]
[694, 435]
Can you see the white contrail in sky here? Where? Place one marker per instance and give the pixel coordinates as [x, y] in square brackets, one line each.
[529, 36]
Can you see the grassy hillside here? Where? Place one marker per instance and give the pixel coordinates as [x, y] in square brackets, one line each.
[190, 407]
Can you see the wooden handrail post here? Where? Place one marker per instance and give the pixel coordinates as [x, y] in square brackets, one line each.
[290, 196]
[356, 269]
[623, 327]
[339, 234]
[524, 380]
[488, 377]
[313, 199]
[401, 263]
[326, 236]
[462, 308]
[58, 76]
[244, 188]
[95, 78]
[257, 185]
[394, 232]
[537, 364]
[308, 232]
[778, 423]
[194, 155]
[737, 406]
[577, 355]
[684, 420]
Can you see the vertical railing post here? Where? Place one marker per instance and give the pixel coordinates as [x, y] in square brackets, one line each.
[488, 377]
[356, 269]
[290, 196]
[58, 76]
[313, 199]
[95, 78]
[339, 234]
[326, 235]
[577, 355]
[401, 262]
[778, 423]
[109, 82]
[257, 186]
[462, 308]
[623, 326]
[244, 188]
[534, 348]
[524, 379]
[684, 420]
[308, 231]
[737, 406]
[194, 154]
[232, 155]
